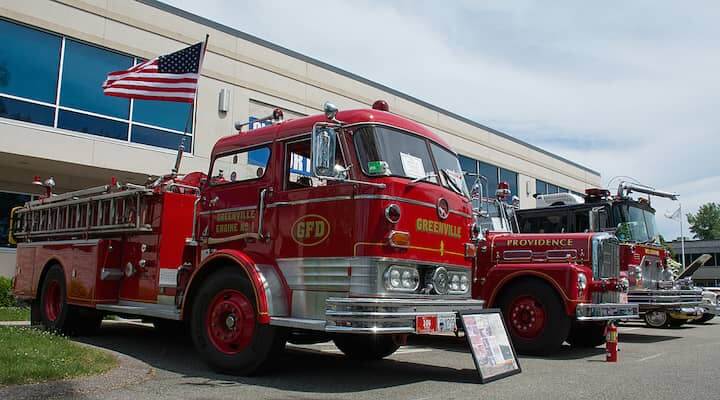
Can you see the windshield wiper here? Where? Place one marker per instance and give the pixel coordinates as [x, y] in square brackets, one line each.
[424, 178]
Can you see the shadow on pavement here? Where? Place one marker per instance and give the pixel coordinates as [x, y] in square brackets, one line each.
[297, 370]
[451, 343]
[628, 337]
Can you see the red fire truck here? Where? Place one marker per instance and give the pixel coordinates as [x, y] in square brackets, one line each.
[662, 301]
[352, 226]
[550, 287]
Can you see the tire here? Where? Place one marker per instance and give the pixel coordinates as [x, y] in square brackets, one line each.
[367, 347]
[535, 317]
[587, 334]
[705, 318]
[56, 315]
[244, 348]
[656, 319]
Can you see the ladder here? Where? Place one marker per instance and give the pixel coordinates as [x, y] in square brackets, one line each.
[95, 211]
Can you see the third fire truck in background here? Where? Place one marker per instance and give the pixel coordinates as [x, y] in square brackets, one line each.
[551, 287]
[643, 260]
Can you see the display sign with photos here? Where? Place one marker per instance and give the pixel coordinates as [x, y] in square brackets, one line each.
[490, 344]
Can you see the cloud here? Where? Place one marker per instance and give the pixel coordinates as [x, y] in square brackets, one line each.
[626, 88]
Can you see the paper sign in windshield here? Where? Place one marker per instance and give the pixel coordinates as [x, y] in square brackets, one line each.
[412, 166]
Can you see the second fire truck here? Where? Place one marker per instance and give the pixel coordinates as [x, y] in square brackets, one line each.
[662, 302]
[551, 287]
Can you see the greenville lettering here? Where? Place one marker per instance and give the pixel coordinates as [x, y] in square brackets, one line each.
[235, 215]
[541, 242]
[438, 228]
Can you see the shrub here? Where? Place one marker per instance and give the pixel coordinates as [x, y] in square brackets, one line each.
[6, 297]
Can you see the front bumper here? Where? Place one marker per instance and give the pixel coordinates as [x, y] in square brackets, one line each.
[378, 315]
[606, 311]
[649, 299]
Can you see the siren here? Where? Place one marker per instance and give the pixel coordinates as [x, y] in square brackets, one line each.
[503, 190]
[381, 105]
[597, 193]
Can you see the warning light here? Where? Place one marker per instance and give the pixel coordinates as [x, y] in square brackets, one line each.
[381, 105]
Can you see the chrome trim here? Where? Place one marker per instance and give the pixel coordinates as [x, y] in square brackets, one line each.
[261, 213]
[664, 299]
[110, 274]
[308, 201]
[406, 200]
[299, 323]
[606, 312]
[274, 290]
[370, 315]
[145, 309]
[88, 242]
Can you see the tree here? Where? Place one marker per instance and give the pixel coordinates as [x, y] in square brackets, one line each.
[705, 224]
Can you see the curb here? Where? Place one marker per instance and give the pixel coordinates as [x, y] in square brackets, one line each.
[128, 372]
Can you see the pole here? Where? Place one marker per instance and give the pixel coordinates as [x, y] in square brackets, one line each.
[682, 238]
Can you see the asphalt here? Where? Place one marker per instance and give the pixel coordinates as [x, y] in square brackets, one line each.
[654, 364]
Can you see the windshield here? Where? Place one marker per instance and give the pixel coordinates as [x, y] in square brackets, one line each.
[636, 224]
[385, 151]
[490, 218]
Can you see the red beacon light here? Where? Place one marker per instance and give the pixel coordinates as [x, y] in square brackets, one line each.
[37, 180]
[503, 190]
[597, 193]
[381, 105]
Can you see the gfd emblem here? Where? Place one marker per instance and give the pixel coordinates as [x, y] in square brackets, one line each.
[310, 230]
[443, 209]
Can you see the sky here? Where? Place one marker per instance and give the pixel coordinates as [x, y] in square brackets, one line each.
[624, 88]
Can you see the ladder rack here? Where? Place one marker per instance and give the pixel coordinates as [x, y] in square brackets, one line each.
[94, 211]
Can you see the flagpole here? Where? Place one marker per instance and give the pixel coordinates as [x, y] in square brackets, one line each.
[682, 238]
[192, 115]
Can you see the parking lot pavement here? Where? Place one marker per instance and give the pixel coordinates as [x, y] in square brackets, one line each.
[654, 364]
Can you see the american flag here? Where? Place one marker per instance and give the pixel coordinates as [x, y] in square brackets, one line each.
[172, 77]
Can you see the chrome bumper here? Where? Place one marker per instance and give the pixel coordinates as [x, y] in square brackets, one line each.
[664, 299]
[371, 315]
[606, 311]
[686, 312]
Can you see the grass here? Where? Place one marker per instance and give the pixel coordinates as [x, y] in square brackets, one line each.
[29, 356]
[14, 314]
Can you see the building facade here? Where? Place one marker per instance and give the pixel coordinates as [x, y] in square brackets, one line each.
[55, 120]
[709, 274]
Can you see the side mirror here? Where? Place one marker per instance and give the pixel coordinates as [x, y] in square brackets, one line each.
[324, 142]
[595, 218]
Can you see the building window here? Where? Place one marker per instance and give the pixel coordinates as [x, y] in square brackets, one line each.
[30, 77]
[8, 201]
[84, 71]
[29, 61]
[491, 176]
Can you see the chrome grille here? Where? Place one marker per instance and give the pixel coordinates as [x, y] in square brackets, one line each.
[605, 256]
[606, 297]
[652, 272]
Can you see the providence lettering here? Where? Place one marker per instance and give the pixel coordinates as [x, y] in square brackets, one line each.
[541, 242]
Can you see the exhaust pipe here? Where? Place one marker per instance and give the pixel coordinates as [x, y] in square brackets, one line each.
[625, 188]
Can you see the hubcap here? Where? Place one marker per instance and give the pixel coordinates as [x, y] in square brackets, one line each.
[527, 317]
[656, 318]
[53, 301]
[230, 321]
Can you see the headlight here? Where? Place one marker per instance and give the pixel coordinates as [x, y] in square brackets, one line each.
[459, 282]
[582, 281]
[441, 280]
[402, 279]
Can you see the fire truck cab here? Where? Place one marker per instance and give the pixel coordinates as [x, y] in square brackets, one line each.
[348, 225]
[662, 301]
[551, 287]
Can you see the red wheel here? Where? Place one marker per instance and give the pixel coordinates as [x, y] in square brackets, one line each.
[52, 300]
[230, 321]
[56, 314]
[535, 317]
[527, 317]
[225, 329]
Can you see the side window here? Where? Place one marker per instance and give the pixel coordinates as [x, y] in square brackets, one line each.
[297, 163]
[241, 166]
[545, 224]
[582, 220]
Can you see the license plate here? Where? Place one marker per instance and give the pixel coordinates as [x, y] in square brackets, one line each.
[425, 324]
[623, 298]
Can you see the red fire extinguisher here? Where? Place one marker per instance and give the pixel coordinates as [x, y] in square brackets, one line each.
[611, 342]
